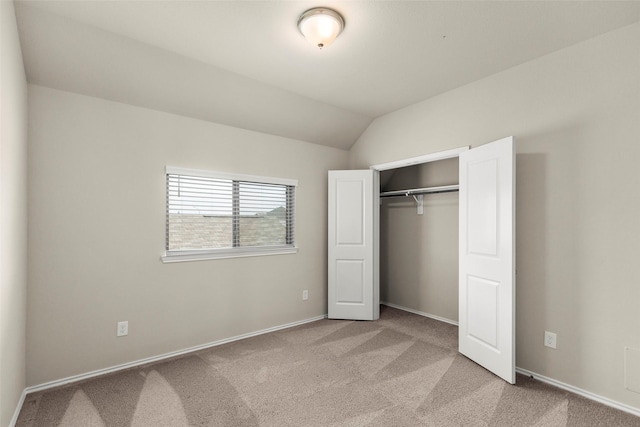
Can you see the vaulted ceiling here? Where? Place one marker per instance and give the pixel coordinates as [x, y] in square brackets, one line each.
[244, 63]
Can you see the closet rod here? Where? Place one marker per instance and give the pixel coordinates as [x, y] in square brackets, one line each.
[425, 190]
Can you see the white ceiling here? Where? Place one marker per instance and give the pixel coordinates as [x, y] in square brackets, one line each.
[244, 63]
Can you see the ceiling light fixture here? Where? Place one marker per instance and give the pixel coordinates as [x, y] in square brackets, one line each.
[320, 26]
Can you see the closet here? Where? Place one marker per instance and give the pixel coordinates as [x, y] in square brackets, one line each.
[362, 233]
[419, 239]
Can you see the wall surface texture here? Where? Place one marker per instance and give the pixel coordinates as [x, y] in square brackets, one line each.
[97, 231]
[13, 215]
[576, 118]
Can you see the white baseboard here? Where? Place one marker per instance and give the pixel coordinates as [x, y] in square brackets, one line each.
[420, 313]
[584, 393]
[14, 419]
[99, 372]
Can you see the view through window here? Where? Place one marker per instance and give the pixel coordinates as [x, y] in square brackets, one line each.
[209, 211]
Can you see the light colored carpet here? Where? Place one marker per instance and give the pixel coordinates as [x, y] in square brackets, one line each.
[402, 370]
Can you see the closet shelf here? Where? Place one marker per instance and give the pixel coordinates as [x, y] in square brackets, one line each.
[424, 190]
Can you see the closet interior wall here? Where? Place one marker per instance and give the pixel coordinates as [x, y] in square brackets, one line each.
[419, 253]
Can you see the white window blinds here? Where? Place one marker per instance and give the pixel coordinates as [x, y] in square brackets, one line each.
[211, 215]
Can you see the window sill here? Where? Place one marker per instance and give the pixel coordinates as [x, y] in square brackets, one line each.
[187, 256]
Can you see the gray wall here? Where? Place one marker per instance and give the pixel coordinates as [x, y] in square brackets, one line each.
[576, 116]
[13, 215]
[419, 253]
[97, 227]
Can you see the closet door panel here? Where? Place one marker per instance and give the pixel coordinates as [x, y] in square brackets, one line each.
[350, 218]
[482, 207]
[487, 257]
[350, 281]
[352, 245]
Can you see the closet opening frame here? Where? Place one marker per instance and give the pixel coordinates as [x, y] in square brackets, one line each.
[427, 158]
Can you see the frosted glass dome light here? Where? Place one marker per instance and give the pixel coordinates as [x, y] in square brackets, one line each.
[320, 26]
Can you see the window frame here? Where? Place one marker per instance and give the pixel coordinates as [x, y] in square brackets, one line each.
[229, 252]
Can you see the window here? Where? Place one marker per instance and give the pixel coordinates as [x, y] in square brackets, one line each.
[218, 215]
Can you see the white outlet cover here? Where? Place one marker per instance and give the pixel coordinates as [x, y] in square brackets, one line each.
[550, 339]
[123, 329]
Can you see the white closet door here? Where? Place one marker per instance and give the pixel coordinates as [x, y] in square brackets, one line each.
[487, 257]
[352, 245]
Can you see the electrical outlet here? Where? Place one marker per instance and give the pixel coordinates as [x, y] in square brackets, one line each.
[123, 328]
[305, 295]
[550, 339]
